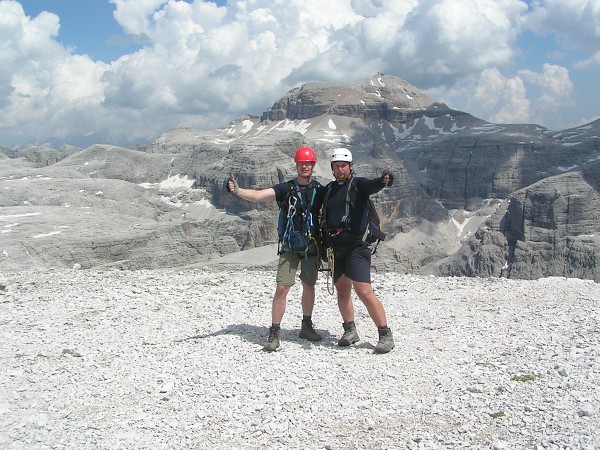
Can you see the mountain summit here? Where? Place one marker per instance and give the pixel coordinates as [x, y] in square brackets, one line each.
[381, 97]
[471, 198]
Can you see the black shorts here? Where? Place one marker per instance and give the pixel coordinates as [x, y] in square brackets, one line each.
[354, 262]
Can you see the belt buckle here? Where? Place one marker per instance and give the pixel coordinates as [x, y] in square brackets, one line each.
[334, 232]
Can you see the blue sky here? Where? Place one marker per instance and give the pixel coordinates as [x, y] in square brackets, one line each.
[86, 27]
[128, 70]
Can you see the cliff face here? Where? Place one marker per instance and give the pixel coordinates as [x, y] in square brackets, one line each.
[470, 198]
[551, 228]
[470, 164]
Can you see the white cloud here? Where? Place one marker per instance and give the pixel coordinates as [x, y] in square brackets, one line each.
[591, 62]
[441, 41]
[555, 96]
[492, 96]
[205, 65]
[512, 104]
[24, 40]
[555, 84]
[576, 23]
[135, 16]
[45, 89]
[528, 97]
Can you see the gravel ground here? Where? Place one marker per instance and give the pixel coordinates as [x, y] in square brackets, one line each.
[173, 359]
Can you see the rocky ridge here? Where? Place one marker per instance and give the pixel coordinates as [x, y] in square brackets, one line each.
[454, 209]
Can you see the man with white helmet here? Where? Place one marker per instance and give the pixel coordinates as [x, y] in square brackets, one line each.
[346, 229]
[306, 192]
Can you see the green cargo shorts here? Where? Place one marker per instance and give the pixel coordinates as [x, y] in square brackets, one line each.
[288, 266]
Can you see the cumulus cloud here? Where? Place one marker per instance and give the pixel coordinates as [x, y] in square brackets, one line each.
[204, 65]
[503, 100]
[554, 82]
[490, 95]
[528, 97]
[575, 22]
[44, 86]
[555, 88]
[452, 39]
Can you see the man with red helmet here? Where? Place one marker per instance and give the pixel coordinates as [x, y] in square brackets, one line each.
[306, 192]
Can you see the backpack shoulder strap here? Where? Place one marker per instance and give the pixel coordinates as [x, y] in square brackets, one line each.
[351, 186]
[324, 204]
[328, 187]
[291, 191]
[313, 185]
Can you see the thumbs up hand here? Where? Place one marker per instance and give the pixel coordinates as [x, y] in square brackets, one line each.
[232, 186]
[387, 177]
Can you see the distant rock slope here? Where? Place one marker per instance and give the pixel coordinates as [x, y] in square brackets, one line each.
[549, 228]
[470, 197]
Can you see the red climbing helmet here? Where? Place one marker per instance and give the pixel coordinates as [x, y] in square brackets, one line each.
[305, 154]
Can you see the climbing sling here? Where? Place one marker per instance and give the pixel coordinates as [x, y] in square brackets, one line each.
[296, 220]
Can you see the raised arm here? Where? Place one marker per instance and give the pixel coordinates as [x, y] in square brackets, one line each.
[375, 185]
[251, 195]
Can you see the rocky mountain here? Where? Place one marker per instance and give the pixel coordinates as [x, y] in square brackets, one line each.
[470, 198]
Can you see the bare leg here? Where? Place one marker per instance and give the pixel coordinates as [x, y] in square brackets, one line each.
[278, 308]
[344, 294]
[364, 291]
[308, 299]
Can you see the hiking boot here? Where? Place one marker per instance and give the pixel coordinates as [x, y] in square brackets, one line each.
[273, 340]
[350, 335]
[386, 341]
[308, 332]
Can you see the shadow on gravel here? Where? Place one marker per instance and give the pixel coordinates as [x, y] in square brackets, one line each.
[250, 333]
[258, 335]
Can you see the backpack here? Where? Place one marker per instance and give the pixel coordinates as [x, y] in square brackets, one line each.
[373, 234]
[295, 225]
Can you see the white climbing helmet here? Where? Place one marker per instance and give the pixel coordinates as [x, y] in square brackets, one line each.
[341, 154]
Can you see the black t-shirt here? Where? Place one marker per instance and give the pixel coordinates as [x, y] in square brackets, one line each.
[309, 196]
[356, 225]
